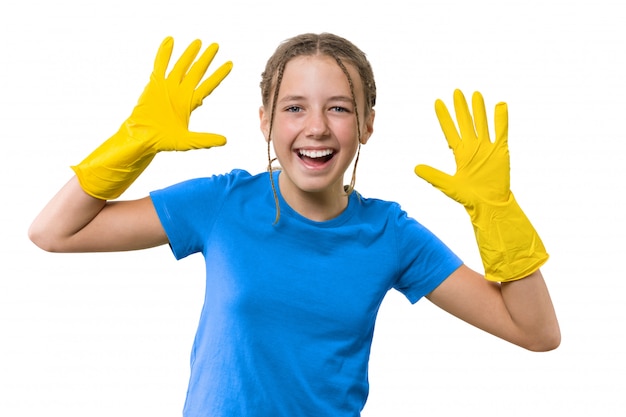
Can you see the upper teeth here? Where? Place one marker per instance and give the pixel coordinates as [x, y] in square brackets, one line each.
[315, 154]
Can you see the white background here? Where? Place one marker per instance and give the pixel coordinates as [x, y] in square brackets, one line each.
[110, 334]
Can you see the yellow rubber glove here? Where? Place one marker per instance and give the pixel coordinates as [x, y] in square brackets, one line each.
[509, 246]
[159, 122]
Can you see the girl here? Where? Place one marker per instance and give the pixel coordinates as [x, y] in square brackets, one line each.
[297, 264]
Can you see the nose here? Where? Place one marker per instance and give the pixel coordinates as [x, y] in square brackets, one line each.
[316, 124]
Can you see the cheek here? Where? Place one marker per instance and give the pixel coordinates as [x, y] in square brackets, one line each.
[282, 138]
[347, 134]
[285, 130]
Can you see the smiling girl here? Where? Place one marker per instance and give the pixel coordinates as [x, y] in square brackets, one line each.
[297, 263]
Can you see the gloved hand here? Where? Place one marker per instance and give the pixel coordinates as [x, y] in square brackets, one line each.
[509, 246]
[159, 122]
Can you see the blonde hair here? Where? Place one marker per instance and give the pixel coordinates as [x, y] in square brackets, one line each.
[308, 44]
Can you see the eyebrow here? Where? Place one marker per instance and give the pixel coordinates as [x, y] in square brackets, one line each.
[333, 98]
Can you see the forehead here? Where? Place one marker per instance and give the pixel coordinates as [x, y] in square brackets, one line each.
[318, 70]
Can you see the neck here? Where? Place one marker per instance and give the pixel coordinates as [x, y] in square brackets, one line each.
[317, 206]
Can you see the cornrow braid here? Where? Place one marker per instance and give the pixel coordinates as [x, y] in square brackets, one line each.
[279, 79]
[350, 187]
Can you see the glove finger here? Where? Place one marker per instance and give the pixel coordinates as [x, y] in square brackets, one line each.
[210, 84]
[163, 56]
[198, 140]
[480, 116]
[199, 68]
[435, 177]
[502, 124]
[184, 62]
[447, 125]
[463, 116]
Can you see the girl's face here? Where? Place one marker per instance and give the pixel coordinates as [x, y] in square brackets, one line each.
[314, 131]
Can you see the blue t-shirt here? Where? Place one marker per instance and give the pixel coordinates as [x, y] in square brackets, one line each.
[289, 309]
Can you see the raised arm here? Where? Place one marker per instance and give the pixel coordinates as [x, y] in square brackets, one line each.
[80, 218]
[511, 300]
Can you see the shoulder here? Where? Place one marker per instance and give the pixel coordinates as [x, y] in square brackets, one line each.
[389, 216]
[218, 182]
[376, 210]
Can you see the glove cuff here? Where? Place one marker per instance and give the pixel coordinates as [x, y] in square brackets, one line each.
[509, 245]
[112, 167]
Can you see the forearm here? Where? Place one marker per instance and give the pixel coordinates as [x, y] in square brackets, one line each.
[74, 221]
[531, 310]
[69, 211]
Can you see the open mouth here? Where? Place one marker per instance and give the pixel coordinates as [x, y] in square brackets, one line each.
[316, 156]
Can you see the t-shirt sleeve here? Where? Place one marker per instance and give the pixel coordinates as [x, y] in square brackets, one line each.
[188, 210]
[425, 261]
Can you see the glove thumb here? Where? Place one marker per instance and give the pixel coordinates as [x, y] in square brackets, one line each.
[437, 179]
[197, 140]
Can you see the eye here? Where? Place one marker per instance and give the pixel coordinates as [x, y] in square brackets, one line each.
[340, 109]
[293, 109]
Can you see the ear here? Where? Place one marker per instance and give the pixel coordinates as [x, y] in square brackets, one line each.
[369, 127]
[265, 123]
